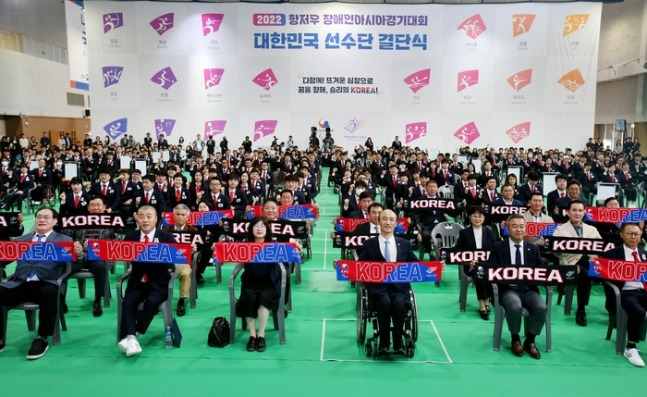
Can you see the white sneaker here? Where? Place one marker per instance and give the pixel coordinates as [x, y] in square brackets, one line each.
[133, 348]
[123, 345]
[633, 357]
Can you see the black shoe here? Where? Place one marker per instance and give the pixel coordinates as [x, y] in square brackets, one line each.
[181, 310]
[398, 350]
[383, 351]
[488, 310]
[260, 344]
[199, 279]
[38, 348]
[251, 344]
[580, 319]
[97, 311]
[484, 315]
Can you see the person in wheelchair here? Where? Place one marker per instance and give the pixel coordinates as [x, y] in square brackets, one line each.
[22, 181]
[389, 300]
[428, 219]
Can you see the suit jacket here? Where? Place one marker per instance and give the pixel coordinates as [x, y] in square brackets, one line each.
[524, 192]
[357, 214]
[112, 194]
[371, 252]
[158, 275]
[67, 208]
[500, 255]
[568, 230]
[221, 203]
[46, 271]
[156, 200]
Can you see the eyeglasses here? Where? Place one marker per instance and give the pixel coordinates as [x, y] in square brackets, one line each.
[44, 217]
[259, 226]
[632, 234]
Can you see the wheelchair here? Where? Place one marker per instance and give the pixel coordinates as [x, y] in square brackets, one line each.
[366, 313]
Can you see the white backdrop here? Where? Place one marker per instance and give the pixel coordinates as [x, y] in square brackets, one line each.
[439, 76]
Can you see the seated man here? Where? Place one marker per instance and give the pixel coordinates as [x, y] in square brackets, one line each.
[148, 283]
[181, 214]
[36, 282]
[389, 299]
[515, 297]
[99, 268]
[429, 218]
[633, 297]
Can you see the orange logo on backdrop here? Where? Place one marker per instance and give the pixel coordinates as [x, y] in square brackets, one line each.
[521, 23]
[574, 22]
[572, 80]
[520, 79]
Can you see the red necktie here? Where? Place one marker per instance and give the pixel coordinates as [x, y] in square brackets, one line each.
[197, 188]
[76, 201]
[637, 259]
[103, 190]
[264, 174]
[532, 189]
[147, 197]
[40, 173]
[561, 195]
[588, 176]
[491, 196]
[231, 197]
[613, 179]
[161, 188]
[178, 194]
[473, 192]
[395, 182]
[22, 178]
[215, 201]
[626, 176]
[123, 188]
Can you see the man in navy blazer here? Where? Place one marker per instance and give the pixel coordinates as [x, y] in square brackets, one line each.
[148, 283]
[633, 297]
[37, 282]
[515, 297]
[389, 299]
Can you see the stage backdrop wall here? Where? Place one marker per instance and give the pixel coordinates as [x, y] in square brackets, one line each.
[439, 76]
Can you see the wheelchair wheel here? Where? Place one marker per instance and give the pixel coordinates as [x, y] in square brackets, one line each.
[362, 314]
[410, 348]
[414, 318]
[49, 196]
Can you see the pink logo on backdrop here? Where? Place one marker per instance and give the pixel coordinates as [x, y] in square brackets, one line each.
[467, 133]
[473, 26]
[520, 79]
[214, 127]
[266, 79]
[418, 80]
[467, 78]
[112, 21]
[164, 78]
[415, 131]
[519, 132]
[211, 23]
[163, 23]
[164, 127]
[212, 77]
[263, 128]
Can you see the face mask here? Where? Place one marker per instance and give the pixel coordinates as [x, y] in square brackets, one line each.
[4, 163]
[58, 163]
[359, 191]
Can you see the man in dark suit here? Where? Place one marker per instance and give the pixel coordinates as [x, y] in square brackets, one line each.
[390, 182]
[366, 199]
[108, 189]
[74, 202]
[149, 195]
[178, 193]
[127, 190]
[562, 205]
[633, 296]
[23, 181]
[36, 282]
[237, 197]
[215, 198]
[529, 188]
[148, 283]
[389, 299]
[554, 195]
[515, 297]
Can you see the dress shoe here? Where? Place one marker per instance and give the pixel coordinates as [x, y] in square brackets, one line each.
[517, 349]
[487, 309]
[181, 310]
[633, 357]
[260, 344]
[251, 344]
[97, 311]
[532, 351]
[580, 319]
[398, 350]
[484, 315]
[383, 351]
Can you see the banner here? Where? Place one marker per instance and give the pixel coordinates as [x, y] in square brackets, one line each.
[575, 245]
[95, 221]
[426, 204]
[616, 215]
[500, 213]
[350, 240]
[9, 220]
[528, 275]
[56, 251]
[292, 229]
[190, 238]
[534, 229]
[618, 270]
[209, 218]
[137, 251]
[453, 257]
[389, 272]
[256, 253]
[350, 224]
[288, 212]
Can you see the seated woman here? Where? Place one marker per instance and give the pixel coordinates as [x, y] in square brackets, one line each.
[260, 289]
[477, 237]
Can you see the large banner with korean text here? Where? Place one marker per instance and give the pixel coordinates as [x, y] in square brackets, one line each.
[438, 76]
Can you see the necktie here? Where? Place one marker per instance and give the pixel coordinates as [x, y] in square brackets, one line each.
[40, 173]
[231, 197]
[473, 192]
[491, 196]
[626, 176]
[517, 261]
[215, 201]
[147, 197]
[561, 195]
[103, 190]
[578, 229]
[264, 174]
[637, 259]
[76, 201]
[22, 178]
[387, 251]
[588, 176]
[32, 273]
[123, 188]
[365, 214]
[395, 182]
[377, 229]
[532, 188]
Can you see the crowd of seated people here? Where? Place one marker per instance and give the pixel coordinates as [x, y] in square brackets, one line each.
[183, 178]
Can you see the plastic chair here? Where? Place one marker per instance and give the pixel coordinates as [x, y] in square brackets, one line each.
[85, 274]
[31, 307]
[446, 191]
[165, 307]
[499, 316]
[278, 316]
[619, 322]
[193, 289]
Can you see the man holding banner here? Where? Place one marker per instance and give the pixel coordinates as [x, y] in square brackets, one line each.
[633, 296]
[36, 281]
[515, 297]
[389, 298]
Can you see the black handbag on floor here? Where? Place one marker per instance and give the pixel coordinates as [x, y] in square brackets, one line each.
[219, 333]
